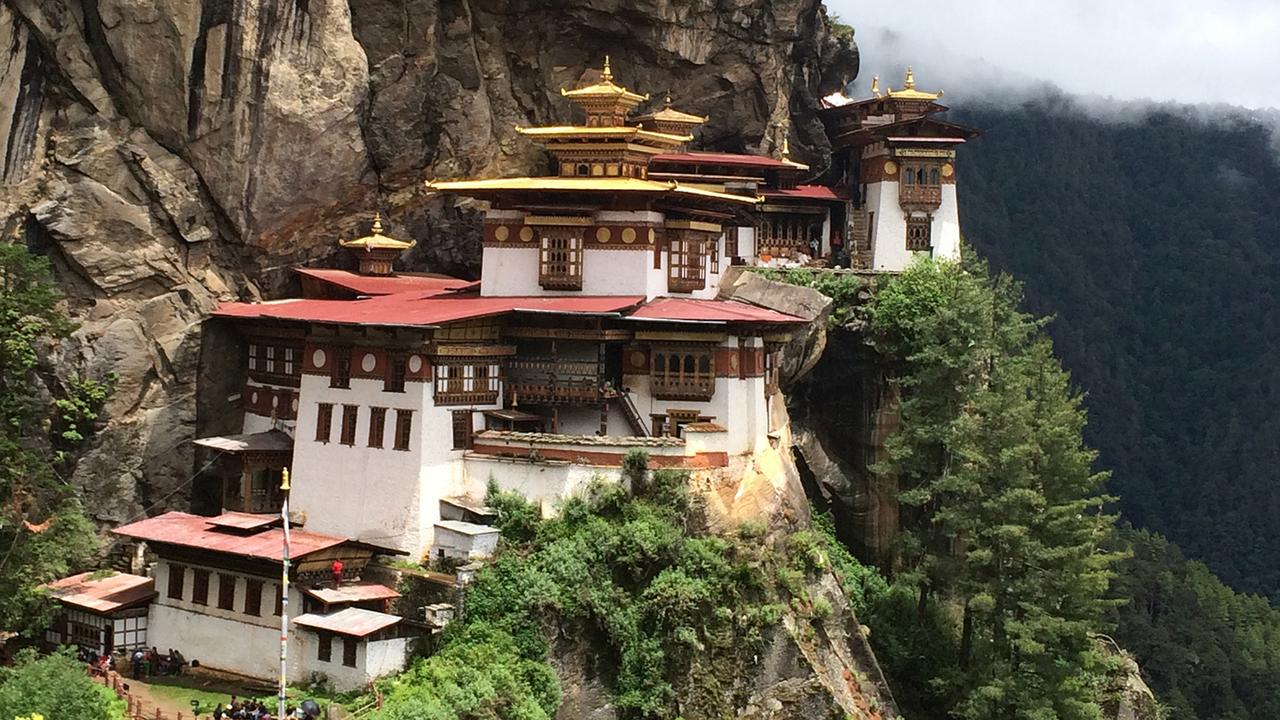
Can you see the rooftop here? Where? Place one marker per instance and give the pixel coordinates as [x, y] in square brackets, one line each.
[725, 159]
[388, 284]
[588, 184]
[605, 89]
[269, 441]
[709, 311]
[353, 593]
[245, 521]
[375, 240]
[102, 594]
[808, 192]
[597, 440]
[195, 531]
[353, 622]
[466, 528]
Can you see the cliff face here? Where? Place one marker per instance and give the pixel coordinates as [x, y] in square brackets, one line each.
[169, 154]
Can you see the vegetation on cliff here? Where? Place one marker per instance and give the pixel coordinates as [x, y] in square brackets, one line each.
[43, 529]
[54, 687]
[673, 616]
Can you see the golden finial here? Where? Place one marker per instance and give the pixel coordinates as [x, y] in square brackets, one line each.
[376, 228]
[911, 79]
[668, 100]
[284, 479]
[875, 86]
[786, 148]
[607, 73]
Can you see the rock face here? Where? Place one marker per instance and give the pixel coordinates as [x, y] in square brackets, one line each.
[170, 154]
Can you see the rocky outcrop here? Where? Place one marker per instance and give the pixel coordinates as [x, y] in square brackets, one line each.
[171, 154]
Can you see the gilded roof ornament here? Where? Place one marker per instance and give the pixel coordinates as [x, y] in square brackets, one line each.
[605, 89]
[375, 240]
[909, 91]
[875, 86]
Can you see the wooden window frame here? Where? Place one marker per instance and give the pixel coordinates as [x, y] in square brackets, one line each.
[324, 422]
[377, 426]
[686, 261]
[919, 233]
[397, 371]
[560, 251]
[340, 373]
[199, 586]
[731, 243]
[253, 597]
[461, 382]
[275, 610]
[226, 591]
[463, 429]
[324, 647]
[714, 249]
[177, 581]
[404, 429]
[350, 422]
[679, 381]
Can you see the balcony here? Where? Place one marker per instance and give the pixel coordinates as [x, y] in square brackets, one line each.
[920, 195]
[698, 387]
[466, 392]
[551, 381]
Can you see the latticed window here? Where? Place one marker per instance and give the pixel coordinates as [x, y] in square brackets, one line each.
[919, 230]
[784, 235]
[731, 243]
[377, 426]
[560, 259]
[467, 383]
[404, 429]
[682, 373]
[350, 414]
[461, 429]
[686, 261]
[324, 420]
[396, 371]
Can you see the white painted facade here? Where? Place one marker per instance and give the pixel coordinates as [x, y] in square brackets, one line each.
[374, 659]
[889, 228]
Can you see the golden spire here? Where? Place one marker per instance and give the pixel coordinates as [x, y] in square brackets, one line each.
[667, 101]
[909, 91]
[376, 228]
[875, 86]
[284, 479]
[911, 79]
[375, 240]
[607, 73]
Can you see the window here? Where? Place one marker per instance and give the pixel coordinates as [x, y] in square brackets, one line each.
[682, 373]
[226, 592]
[714, 247]
[271, 359]
[200, 586]
[377, 426]
[253, 597]
[404, 428]
[324, 648]
[396, 369]
[461, 429]
[254, 350]
[686, 262]
[177, 578]
[275, 609]
[918, 232]
[340, 373]
[731, 243]
[324, 419]
[349, 652]
[350, 414]
[560, 259]
[467, 383]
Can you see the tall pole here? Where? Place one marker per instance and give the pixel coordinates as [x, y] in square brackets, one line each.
[284, 596]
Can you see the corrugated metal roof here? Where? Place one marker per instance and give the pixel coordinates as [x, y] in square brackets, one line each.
[244, 521]
[388, 284]
[353, 622]
[421, 309]
[718, 311]
[353, 593]
[102, 595]
[269, 441]
[808, 192]
[178, 528]
[466, 528]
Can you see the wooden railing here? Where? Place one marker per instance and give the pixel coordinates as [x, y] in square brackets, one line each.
[920, 195]
[447, 394]
[559, 393]
[695, 387]
[554, 381]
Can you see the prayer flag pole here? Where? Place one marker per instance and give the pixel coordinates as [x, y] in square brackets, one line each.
[284, 595]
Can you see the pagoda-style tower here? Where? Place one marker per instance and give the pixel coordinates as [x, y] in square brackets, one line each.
[901, 159]
[670, 121]
[599, 225]
[377, 252]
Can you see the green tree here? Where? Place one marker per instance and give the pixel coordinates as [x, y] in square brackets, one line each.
[43, 530]
[56, 687]
[1006, 516]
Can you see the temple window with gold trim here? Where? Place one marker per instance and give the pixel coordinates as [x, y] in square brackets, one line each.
[560, 259]
[682, 372]
[687, 261]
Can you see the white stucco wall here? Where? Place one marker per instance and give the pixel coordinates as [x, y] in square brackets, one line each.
[374, 659]
[889, 230]
[545, 483]
[946, 225]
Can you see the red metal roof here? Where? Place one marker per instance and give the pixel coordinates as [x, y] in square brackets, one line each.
[388, 284]
[355, 622]
[809, 192]
[717, 311]
[179, 528]
[102, 595]
[420, 309]
[244, 521]
[353, 593]
[714, 158]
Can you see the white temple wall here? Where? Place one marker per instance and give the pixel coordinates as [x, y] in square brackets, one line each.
[374, 659]
[946, 225]
[889, 235]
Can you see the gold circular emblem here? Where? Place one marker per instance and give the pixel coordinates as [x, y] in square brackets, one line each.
[637, 359]
[890, 167]
[652, 236]
[629, 235]
[948, 170]
[526, 234]
[501, 233]
[603, 234]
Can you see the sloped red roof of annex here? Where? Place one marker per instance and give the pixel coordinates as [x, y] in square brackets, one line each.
[714, 158]
[688, 310]
[388, 284]
[179, 528]
[103, 595]
[808, 192]
[421, 309]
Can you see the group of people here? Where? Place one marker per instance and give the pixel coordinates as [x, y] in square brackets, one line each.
[256, 710]
[149, 662]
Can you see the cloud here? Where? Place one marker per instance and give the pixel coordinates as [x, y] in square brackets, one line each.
[1191, 51]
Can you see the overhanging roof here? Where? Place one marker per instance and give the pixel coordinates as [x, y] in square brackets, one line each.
[353, 622]
[422, 310]
[269, 441]
[388, 284]
[557, 184]
[353, 593]
[195, 531]
[710, 311]
[102, 593]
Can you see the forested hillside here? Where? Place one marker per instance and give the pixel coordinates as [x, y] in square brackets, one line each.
[1153, 242]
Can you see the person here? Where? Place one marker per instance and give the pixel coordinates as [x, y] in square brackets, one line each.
[218, 712]
[138, 656]
[337, 573]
